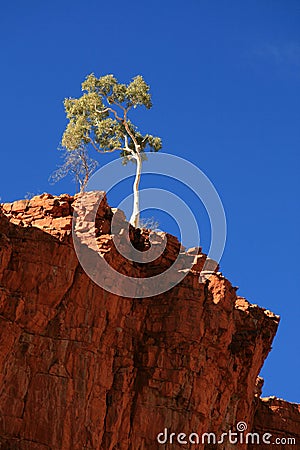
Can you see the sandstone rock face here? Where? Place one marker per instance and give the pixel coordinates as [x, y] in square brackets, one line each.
[281, 419]
[82, 368]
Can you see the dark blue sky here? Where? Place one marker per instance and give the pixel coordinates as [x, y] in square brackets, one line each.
[225, 79]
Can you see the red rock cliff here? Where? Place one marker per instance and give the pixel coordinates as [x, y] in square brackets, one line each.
[85, 369]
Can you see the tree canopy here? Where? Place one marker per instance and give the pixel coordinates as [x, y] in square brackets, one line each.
[100, 117]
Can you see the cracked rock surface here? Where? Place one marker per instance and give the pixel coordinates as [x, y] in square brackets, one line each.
[81, 368]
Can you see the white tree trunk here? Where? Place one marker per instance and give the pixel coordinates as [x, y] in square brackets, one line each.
[135, 217]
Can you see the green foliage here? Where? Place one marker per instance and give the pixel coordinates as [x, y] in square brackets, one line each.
[100, 117]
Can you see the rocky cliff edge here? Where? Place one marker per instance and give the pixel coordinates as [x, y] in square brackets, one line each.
[82, 368]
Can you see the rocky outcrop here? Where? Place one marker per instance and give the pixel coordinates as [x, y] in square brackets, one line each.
[279, 418]
[82, 368]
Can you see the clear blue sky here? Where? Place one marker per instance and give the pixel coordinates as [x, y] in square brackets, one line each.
[225, 79]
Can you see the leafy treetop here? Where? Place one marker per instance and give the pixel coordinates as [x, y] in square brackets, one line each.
[100, 117]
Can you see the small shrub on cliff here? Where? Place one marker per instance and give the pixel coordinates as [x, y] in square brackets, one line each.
[78, 164]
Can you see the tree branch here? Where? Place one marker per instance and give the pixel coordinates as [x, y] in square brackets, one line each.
[98, 149]
[128, 149]
[119, 105]
[111, 110]
[125, 123]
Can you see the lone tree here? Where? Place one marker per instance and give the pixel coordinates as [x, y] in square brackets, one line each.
[100, 118]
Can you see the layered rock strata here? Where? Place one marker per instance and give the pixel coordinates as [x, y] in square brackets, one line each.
[82, 368]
